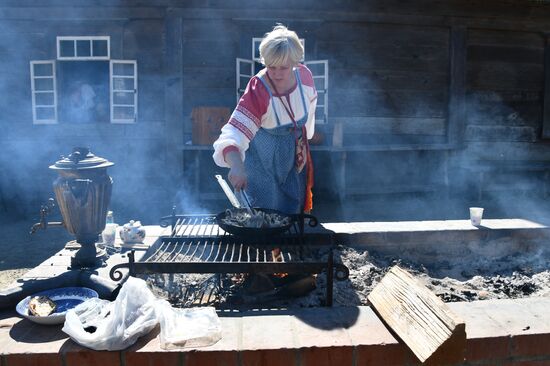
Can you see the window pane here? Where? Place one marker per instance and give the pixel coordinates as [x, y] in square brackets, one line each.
[99, 48]
[319, 114]
[245, 69]
[66, 48]
[123, 84]
[45, 113]
[244, 81]
[256, 50]
[123, 113]
[317, 69]
[43, 69]
[44, 98]
[319, 83]
[83, 48]
[123, 98]
[123, 69]
[43, 84]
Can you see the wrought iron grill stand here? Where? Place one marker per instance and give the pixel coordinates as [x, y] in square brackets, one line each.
[198, 245]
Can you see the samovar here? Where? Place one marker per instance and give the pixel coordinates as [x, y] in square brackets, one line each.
[83, 192]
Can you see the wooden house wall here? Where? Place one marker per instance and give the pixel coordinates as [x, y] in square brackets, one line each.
[30, 34]
[425, 90]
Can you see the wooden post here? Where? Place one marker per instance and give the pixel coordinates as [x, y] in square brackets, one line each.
[457, 86]
[546, 98]
[419, 318]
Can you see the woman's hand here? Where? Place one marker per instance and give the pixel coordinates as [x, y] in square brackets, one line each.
[237, 172]
[237, 177]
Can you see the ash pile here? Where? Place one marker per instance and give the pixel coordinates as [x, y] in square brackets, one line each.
[513, 276]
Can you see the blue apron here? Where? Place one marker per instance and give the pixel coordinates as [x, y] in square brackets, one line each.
[273, 180]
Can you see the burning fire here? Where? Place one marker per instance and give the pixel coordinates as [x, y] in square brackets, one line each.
[278, 257]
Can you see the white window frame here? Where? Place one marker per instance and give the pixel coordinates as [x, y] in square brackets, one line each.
[256, 46]
[112, 91]
[83, 38]
[322, 94]
[240, 88]
[35, 119]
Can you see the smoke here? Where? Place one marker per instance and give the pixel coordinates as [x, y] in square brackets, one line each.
[28, 149]
[501, 168]
[387, 91]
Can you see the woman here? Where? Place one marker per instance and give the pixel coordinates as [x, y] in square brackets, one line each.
[264, 144]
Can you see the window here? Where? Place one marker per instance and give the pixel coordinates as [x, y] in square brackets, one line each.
[83, 48]
[319, 69]
[245, 70]
[123, 76]
[84, 85]
[43, 90]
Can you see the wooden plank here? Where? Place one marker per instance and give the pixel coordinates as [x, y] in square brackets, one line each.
[173, 86]
[457, 86]
[504, 76]
[505, 96]
[384, 79]
[507, 151]
[504, 38]
[505, 113]
[211, 77]
[425, 323]
[393, 188]
[546, 102]
[501, 133]
[198, 29]
[87, 13]
[500, 53]
[386, 15]
[359, 55]
[495, 16]
[384, 35]
[219, 53]
[392, 125]
[213, 97]
[151, 99]
[357, 102]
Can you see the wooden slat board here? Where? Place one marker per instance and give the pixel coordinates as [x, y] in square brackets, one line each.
[419, 318]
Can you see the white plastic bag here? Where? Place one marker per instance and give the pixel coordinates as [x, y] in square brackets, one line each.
[194, 327]
[112, 326]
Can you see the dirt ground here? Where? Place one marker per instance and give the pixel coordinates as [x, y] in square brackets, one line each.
[22, 251]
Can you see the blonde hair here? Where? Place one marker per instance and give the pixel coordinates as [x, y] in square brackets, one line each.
[281, 46]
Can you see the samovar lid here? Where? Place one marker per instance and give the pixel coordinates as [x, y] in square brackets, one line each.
[81, 158]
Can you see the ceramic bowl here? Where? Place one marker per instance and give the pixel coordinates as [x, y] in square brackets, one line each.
[65, 298]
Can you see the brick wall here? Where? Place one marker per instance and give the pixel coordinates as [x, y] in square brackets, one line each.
[500, 332]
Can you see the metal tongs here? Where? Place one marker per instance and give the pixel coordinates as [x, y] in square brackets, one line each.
[228, 191]
[246, 200]
[256, 219]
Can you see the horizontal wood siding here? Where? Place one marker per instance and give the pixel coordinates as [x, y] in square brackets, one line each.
[446, 83]
[35, 147]
[389, 82]
[504, 85]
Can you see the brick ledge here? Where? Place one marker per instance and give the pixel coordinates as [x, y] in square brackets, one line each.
[510, 331]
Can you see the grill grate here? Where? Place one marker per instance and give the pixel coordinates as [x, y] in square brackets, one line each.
[198, 245]
[214, 250]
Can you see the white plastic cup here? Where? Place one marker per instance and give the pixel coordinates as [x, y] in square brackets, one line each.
[476, 214]
[109, 234]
